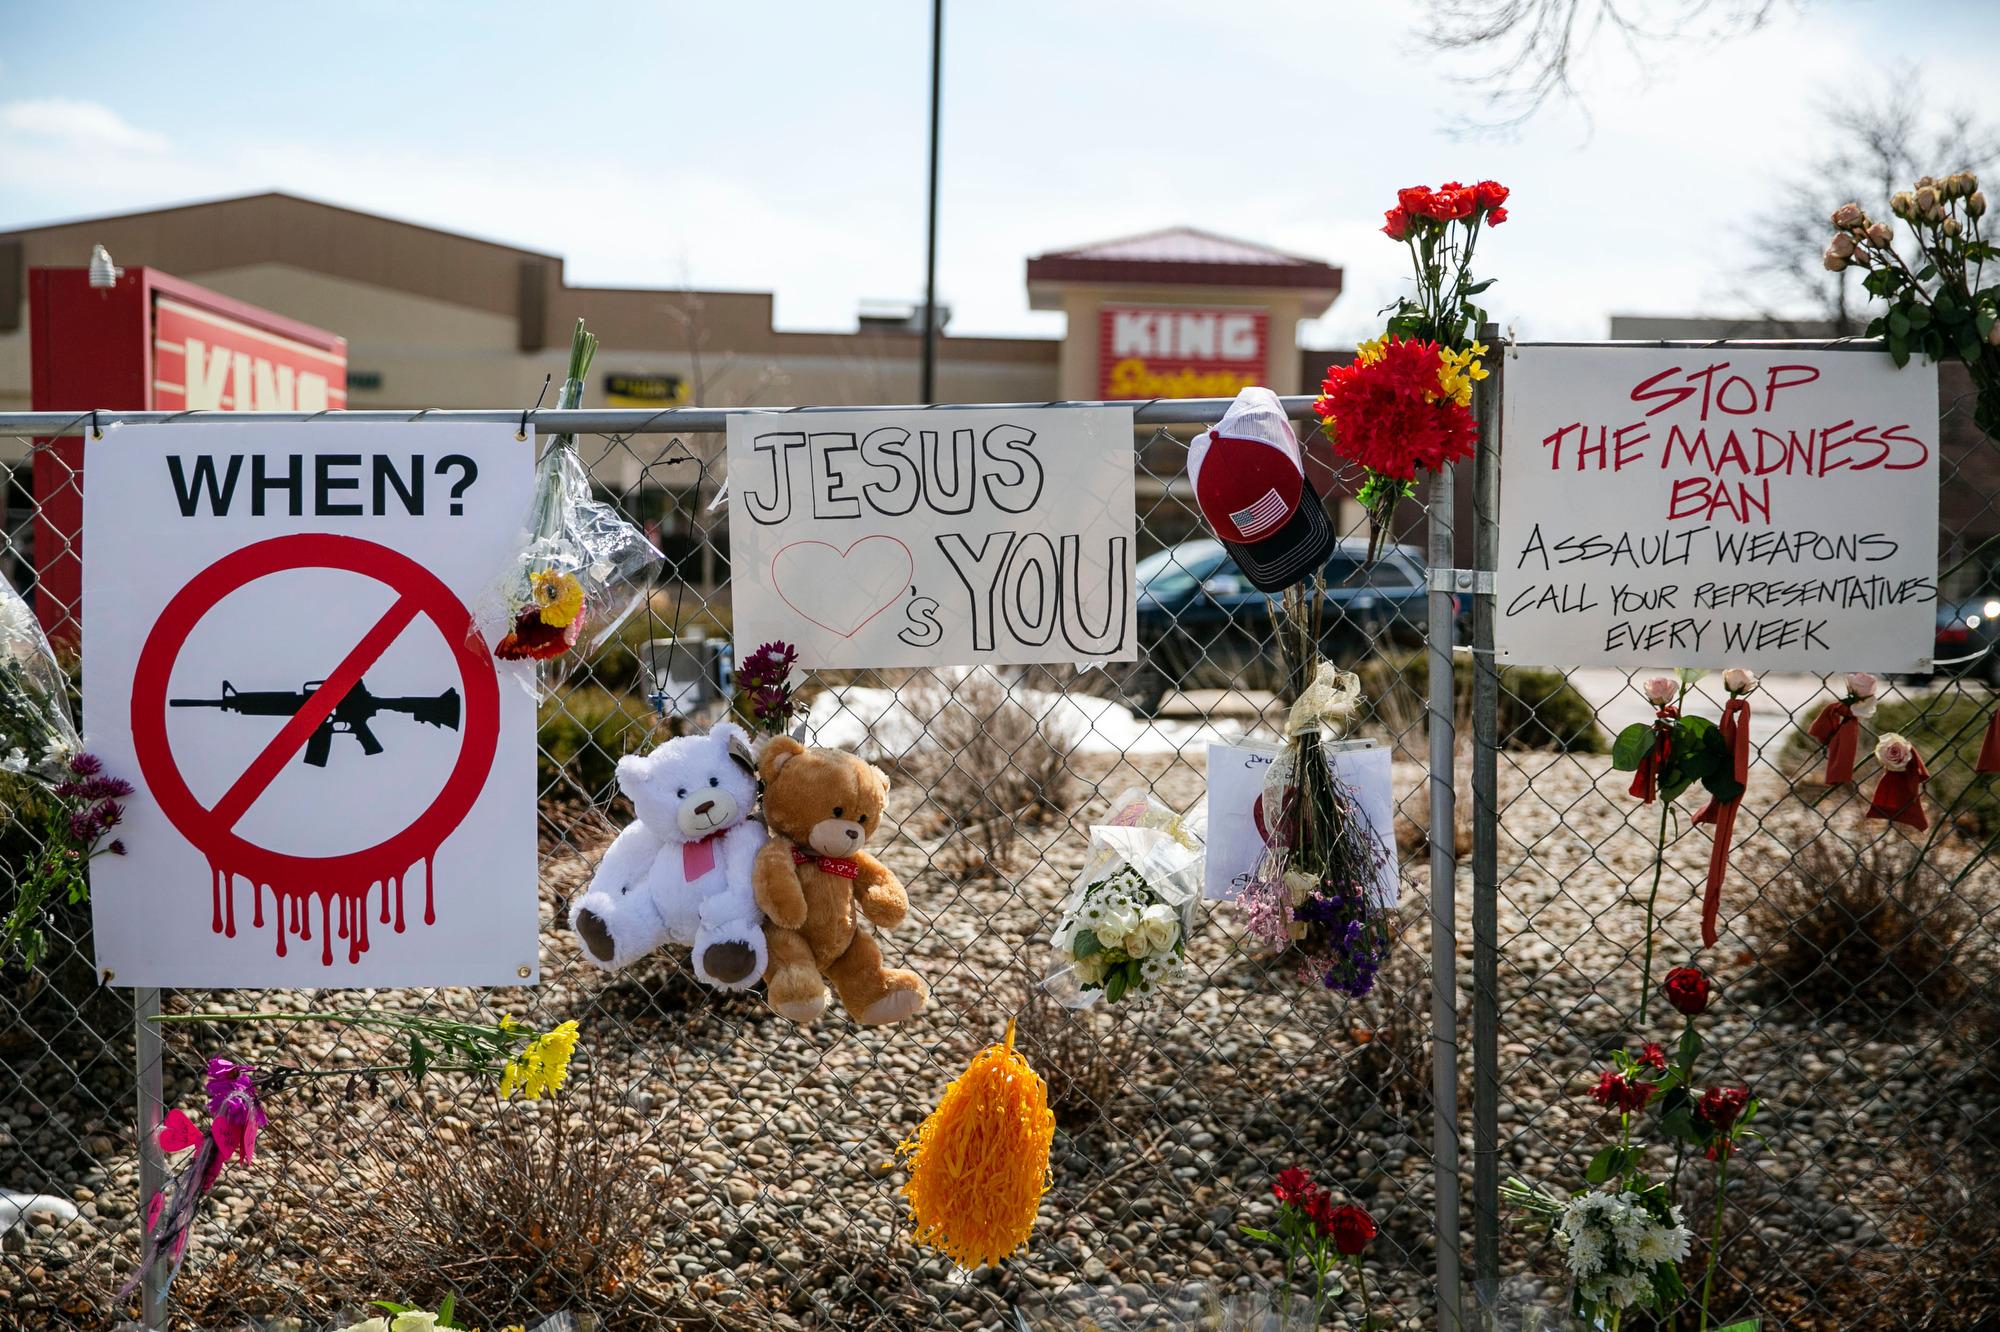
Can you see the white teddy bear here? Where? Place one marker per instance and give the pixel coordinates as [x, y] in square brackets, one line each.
[682, 873]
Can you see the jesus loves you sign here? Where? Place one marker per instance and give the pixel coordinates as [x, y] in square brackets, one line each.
[932, 538]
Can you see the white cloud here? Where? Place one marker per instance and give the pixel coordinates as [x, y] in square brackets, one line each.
[78, 124]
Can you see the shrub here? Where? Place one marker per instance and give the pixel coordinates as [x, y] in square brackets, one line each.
[1947, 726]
[1877, 928]
[1086, 1061]
[1538, 709]
[991, 763]
[550, 1207]
[583, 734]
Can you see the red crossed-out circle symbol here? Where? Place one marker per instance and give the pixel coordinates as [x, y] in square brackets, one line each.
[419, 593]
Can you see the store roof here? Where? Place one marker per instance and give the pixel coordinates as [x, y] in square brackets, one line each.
[1185, 256]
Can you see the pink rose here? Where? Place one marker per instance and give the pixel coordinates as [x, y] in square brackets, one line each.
[1860, 685]
[1842, 244]
[1879, 235]
[1903, 203]
[1895, 753]
[1848, 215]
[1926, 198]
[1833, 262]
[1976, 205]
[1660, 691]
[1738, 680]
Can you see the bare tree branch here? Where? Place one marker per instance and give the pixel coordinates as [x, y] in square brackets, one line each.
[1531, 47]
[1876, 145]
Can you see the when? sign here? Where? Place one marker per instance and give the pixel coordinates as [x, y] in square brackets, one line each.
[934, 538]
[1675, 506]
[335, 779]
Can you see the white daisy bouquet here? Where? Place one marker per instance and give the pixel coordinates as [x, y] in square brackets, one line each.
[1123, 931]
[1622, 1249]
[37, 737]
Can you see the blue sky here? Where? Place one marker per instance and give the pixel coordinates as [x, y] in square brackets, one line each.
[780, 146]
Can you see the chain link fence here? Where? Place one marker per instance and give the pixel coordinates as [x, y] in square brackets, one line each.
[715, 1166]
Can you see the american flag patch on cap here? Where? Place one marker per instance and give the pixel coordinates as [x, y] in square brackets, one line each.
[1260, 517]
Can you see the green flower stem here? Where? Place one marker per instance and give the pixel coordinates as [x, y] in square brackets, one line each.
[1652, 901]
[1361, 1280]
[1715, 1239]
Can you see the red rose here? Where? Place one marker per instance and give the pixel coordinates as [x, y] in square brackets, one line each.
[1415, 199]
[1490, 194]
[1687, 991]
[1292, 1183]
[1622, 1093]
[1495, 216]
[1319, 1209]
[1653, 1057]
[1397, 223]
[1351, 1228]
[1456, 203]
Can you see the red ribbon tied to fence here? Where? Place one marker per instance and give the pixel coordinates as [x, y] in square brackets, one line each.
[1899, 796]
[1839, 730]
[1989, 752]
[1735, 730]
[1646, 781]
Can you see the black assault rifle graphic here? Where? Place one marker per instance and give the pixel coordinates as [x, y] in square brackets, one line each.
[350, 716]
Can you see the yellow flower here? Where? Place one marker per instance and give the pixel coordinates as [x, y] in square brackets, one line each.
[1457, 372]
[542, 1065]
[559, 595]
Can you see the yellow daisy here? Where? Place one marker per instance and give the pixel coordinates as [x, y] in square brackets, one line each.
[559, 595]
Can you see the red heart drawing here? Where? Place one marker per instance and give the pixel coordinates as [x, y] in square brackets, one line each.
[848, 587]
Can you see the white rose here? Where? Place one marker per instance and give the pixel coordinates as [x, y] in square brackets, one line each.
[1137, 944]
[416, 1320]
[1120, 919]
[376, 1324]
[1895, 753]
[1090, 970]
[1739, 681]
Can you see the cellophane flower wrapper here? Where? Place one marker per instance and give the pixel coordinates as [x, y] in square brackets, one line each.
[1123, 930]
[581, 570]
[1322, 890]
[37, 736]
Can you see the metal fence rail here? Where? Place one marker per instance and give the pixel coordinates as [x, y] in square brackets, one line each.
[762, 1152]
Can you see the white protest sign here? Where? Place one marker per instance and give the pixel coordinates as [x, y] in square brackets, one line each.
[335, 778]
[935, 538]
[1236, 834]
[1720, 506]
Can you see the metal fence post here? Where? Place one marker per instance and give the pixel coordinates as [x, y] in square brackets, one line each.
[148, 1056]
[1486, 840]
[1444, 874]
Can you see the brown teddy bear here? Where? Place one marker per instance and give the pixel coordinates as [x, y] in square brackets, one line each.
[812, 876]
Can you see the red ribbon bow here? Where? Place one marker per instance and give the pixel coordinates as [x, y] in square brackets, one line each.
[846, 869]
[1839, 730]
[1989, 753]
[1646, 781]
[1735, 729]
[1899, 796]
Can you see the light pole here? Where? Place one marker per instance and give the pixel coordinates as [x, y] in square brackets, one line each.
[928, 387]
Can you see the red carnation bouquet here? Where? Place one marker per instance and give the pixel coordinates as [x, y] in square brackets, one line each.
[1404, 405]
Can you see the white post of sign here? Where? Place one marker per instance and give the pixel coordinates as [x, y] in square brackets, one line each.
[999, 536]
[335, 779]
[1766, 507]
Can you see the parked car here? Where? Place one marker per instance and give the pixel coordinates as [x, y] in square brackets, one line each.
[1202, 624]
[1964, 629]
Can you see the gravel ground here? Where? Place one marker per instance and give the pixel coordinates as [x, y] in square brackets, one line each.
[769, 1150]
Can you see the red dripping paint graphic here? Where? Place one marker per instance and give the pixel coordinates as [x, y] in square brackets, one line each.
[299, 884]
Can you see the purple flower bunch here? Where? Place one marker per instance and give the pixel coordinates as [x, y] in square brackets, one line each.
[1345, 942]
[764, 700]
[94, 799]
